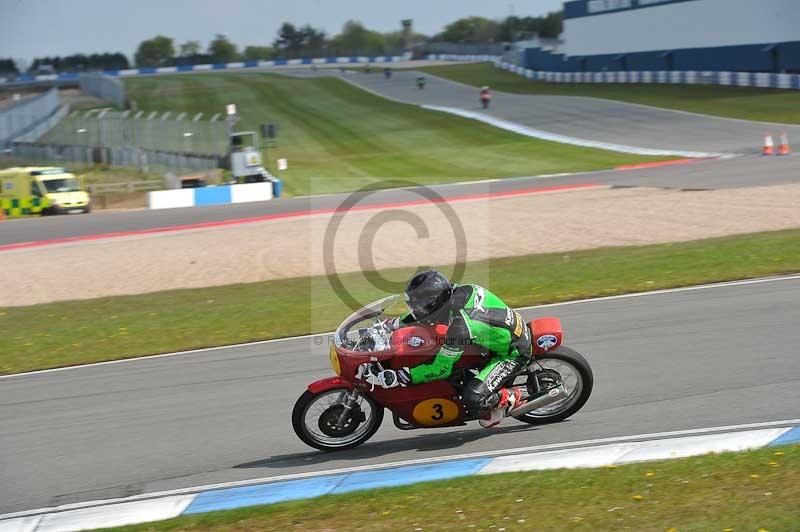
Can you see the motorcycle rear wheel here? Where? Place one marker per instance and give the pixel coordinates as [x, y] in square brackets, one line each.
[336, 439]
[570, 365]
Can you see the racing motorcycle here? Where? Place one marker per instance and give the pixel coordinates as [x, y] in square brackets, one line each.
[344, 411]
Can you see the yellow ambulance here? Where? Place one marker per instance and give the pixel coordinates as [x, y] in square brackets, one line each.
[41, 190]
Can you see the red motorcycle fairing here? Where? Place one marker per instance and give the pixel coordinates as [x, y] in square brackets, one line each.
[546, 333]
[329, 383]
[431, 404]
[417, 345]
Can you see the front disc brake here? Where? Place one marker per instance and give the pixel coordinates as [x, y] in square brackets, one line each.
[329, 421]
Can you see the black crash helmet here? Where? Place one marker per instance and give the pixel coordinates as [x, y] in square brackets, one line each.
[427, 293]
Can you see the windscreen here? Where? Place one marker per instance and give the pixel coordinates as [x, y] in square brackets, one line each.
[388, 307]
[67, 184]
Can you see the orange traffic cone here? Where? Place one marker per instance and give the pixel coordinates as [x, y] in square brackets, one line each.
[783, 147]
[769, 146]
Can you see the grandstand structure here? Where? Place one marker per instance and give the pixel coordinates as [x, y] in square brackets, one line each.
[673, 35]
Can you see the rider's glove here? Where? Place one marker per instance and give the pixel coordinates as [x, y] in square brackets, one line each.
[375, 375]
[390, 324]
[390, 378]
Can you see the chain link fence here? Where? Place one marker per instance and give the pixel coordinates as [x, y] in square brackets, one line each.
[140, 158]
[149, 141]
[175, 132]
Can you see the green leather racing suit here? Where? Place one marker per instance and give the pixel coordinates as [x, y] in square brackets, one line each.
[478, 317]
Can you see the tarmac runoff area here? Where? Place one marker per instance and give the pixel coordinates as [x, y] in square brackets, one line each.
[537, 221]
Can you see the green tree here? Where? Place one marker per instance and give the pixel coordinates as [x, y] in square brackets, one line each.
[255, 53]
[289, 38]
[313, 39]
[154, 52]
[517, 28]
[356, 39]
[190, 48]
[7, 66]
[222, 50]
[471, 30]
[552, 25]
[395, 41]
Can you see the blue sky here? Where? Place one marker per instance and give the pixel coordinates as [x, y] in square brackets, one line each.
[30, 28]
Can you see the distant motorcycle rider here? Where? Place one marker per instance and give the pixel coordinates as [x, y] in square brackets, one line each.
[486, 97]
[474, 316]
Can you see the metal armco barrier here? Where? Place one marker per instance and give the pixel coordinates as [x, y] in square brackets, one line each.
[75, 77]
[682, 77]
[766, 80]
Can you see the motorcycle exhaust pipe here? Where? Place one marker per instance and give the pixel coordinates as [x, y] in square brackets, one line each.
[551, 396]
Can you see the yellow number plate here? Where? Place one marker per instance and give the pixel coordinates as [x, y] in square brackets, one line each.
[335, 360]
[431, 412]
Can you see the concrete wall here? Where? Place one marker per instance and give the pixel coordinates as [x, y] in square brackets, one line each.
[105, 88]
[23, 117]
[218, 195]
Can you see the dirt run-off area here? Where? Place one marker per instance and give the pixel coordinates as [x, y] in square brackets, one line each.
[370, 239]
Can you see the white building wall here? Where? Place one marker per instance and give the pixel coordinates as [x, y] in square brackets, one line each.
[695, 24]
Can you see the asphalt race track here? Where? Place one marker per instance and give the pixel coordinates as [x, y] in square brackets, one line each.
[586, 118]
[738, 172]
[678, 360]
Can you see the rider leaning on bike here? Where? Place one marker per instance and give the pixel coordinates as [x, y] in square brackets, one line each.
[474, 316]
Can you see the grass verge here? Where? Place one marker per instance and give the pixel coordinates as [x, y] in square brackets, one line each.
[337, 137]
[77, 332]
[749, 103]
[754, 490]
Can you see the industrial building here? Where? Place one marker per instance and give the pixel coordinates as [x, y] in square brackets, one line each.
[652, 35]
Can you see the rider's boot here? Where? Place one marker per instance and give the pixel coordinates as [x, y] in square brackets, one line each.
[508, 400]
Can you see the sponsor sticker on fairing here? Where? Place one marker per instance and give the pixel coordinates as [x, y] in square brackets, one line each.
[546, 341]
[415, 341]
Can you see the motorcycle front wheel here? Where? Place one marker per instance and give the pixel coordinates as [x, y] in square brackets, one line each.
[562, 366]
[319, 420]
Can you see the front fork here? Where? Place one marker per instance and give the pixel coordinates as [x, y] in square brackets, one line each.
[348, 403]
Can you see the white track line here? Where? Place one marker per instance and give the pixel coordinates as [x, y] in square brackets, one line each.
[484, 454]
[313, 335]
